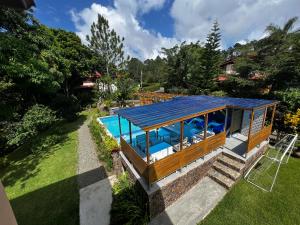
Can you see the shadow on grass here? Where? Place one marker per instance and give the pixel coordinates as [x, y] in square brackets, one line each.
[57, 203]
[21, 164]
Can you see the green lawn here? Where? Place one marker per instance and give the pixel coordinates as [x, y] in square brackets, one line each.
[42, 186]
[246, 204]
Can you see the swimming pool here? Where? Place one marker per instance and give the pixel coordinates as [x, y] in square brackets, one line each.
[112, 125]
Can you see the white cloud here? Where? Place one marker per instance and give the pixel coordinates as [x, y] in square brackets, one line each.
[239, 20]
[139, 42]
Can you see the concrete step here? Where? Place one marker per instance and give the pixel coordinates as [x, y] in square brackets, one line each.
[220, 178]
[233, 164]
[226, 171]
[233, 157]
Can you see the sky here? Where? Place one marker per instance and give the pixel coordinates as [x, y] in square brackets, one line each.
[149, 25]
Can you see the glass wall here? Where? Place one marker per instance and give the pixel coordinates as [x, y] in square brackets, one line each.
[216, 122]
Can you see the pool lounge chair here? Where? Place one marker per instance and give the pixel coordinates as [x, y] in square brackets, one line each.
[185, 144]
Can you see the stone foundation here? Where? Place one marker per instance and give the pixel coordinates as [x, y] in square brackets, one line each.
[165, 196]
[161, 196]
[254, 157]
[117, 163]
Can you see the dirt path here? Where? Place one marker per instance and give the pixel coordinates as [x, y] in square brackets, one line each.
[95, 186]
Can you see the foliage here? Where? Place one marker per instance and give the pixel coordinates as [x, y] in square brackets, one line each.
[293, 120]
[194, 67]
[212, 56]
[125, 91]
[106, 44]
[219, 93]
[149, 71]
[290, 97]
[151, 87]
[128, 206]
[105, 144]
[47, 71]
[38, 118]
[66, 107]
[135, 68]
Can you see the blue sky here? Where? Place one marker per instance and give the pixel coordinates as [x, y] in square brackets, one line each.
[149, 25]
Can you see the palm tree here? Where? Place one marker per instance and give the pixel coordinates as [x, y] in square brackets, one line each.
[278, 36]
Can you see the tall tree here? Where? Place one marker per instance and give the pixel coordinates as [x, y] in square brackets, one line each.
[212, 55]
[107, 44]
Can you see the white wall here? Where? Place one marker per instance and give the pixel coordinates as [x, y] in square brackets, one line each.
[6, 214]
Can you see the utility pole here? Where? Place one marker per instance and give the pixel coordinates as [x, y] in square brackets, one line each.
[141, 79]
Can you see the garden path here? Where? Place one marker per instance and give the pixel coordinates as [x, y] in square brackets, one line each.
[94, 185]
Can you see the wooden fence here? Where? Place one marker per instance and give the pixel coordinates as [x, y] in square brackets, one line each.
[258, 137]
[164, 167]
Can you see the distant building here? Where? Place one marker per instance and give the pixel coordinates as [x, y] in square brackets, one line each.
[228, 66]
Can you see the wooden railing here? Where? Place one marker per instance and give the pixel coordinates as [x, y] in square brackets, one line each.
[258, 137]
[139, 164]
[173, 162]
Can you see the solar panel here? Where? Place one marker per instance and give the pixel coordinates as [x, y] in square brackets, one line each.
[178, 107]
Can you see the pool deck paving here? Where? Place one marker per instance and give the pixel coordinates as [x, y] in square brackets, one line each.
[94, 185]
[193, 206]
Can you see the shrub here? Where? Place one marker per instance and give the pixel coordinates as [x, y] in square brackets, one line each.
[151, 87]
[37, 119]
[105, 144]
[129, 206]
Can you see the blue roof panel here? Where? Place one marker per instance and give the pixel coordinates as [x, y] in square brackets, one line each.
[178, 107]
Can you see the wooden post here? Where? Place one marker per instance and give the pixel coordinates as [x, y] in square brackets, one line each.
[120, 129]
[225, 123]
[249, 132]
[273, 114]
[264, 118]
[250, 125]
[205, 126]
[181, 134]
[147, 147]
[130, 133]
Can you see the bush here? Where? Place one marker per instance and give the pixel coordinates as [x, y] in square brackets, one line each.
[105, 144]
[129, 206]
[151, 87]
[37, 119]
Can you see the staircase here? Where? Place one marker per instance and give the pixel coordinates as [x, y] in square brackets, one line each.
[226, 170]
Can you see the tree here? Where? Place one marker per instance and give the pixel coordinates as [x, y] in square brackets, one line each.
[107, 44]
[135, 66]
[125, 91]
[38, 66]
[212, 55]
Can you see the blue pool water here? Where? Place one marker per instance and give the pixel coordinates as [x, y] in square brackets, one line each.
[112, 124]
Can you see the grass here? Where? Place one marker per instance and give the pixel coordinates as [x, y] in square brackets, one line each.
[246, 204]
[42, 186]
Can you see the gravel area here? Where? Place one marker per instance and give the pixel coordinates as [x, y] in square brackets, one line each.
[89, 168]
[95, 187]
